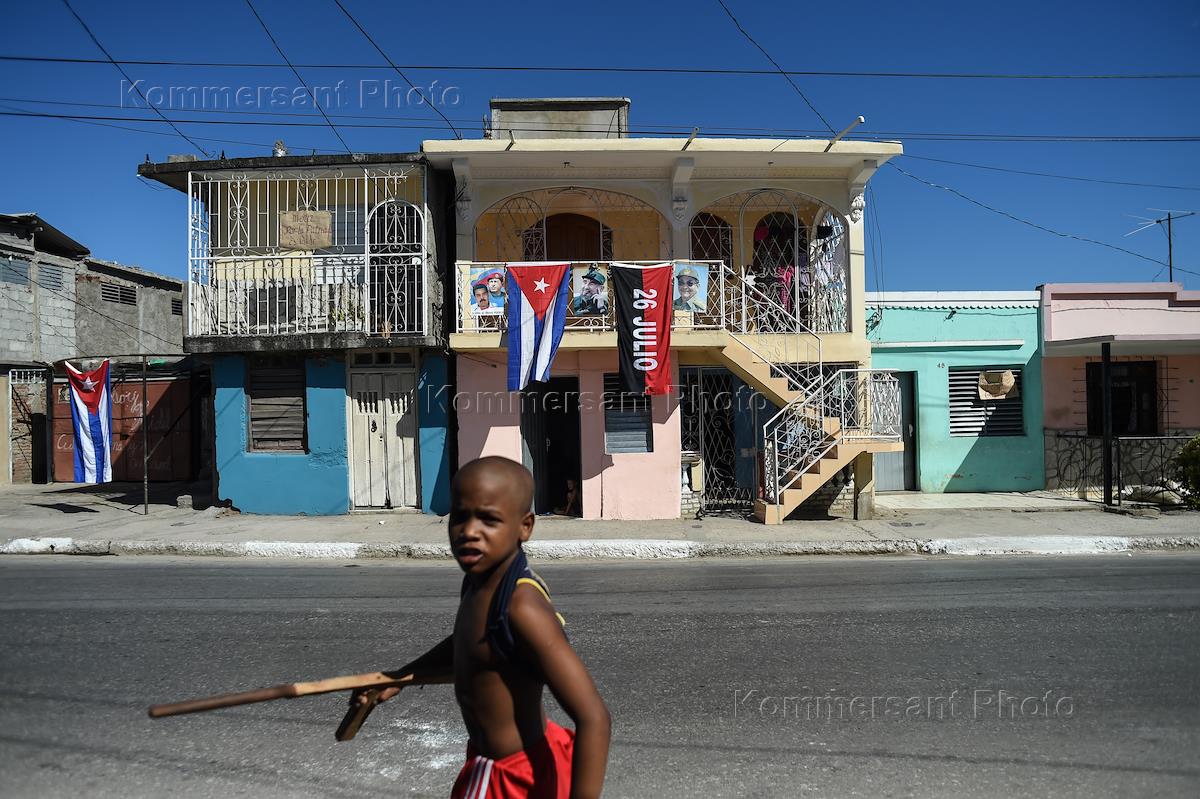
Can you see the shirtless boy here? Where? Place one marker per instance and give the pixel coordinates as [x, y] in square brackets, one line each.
[507, 645]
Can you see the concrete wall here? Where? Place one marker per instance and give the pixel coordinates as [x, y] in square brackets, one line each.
[634, 486]
[37, 318]
[1084, 310]
[148, 327]
[946, 463]
[314, 482]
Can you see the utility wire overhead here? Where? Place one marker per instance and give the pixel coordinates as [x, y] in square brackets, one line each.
[1051, 175]
[883, 136]
[1015, 218]
[304, 85]
[130, 80]
[413, 86]
[775, 64]
[621, 70]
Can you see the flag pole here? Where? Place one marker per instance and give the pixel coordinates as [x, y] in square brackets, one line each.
[145, 448]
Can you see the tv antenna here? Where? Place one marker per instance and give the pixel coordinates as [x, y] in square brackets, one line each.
[1148, 223]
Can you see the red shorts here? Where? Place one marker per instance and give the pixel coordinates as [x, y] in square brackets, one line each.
[543, 771]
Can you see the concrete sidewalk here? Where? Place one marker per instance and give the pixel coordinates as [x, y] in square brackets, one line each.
[108, 520]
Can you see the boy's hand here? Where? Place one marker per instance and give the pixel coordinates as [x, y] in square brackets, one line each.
[361, 697]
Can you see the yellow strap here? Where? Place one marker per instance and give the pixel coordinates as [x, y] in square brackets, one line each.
[542, 589]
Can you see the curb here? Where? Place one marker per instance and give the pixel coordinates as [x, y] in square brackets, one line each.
[613, 549]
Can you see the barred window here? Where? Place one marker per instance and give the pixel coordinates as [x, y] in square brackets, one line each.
[971, 416]
[275, 404]
[118, 293]
[627, 423]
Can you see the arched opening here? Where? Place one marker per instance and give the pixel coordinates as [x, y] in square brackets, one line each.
[791, 245]
[572, 223]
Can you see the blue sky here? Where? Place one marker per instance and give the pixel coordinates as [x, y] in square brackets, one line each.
[81, 177]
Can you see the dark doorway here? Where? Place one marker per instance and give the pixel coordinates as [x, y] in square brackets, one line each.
[550, 444]
[574, 237]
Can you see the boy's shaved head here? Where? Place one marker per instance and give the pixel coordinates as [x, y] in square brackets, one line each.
[497, 468]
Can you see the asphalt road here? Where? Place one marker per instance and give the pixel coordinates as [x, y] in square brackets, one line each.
[809, 677]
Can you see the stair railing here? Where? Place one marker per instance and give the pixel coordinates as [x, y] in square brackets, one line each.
[865, 403]
[763, 324]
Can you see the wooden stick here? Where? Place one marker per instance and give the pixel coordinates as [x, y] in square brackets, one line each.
[351, 682]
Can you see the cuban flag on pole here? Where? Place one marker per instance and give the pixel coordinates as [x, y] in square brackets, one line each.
[537, 313]
[91, 413]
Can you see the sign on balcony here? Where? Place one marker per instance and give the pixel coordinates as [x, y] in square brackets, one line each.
[305, 230]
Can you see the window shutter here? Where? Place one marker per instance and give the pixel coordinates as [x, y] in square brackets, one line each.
[971, 417]
[275, 395]
[118, 293]
[15, 271]
[50, 277]
[627, 423]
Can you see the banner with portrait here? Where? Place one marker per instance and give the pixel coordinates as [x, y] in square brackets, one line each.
[691, 287]
[589, 290]
[486, 294]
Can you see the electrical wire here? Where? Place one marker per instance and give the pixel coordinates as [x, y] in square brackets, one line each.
[883, 137]
[130, 80]
[624, 70]
[1015, 218]
[1051, 175]
[295, 72]
[775, 64]
[392, 64]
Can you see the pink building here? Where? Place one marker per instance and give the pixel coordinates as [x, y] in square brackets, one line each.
[1153, 333]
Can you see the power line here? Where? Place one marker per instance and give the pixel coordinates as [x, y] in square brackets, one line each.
[775, 63]
[623, 70]
[1015, 218]
[130, 80]
[883, 136]
[303, 85]
[361, 30]
[1051, 175]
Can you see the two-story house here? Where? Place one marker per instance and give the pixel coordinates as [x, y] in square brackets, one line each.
[776, 406]
[314, 291]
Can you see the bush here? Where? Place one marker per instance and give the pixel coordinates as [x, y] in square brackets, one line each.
[1187, 471]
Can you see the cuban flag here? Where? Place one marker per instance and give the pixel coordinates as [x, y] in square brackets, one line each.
[91, 414]
[537, 313]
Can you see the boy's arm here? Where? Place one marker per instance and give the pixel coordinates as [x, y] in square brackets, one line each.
[436, 665]
[537, 627]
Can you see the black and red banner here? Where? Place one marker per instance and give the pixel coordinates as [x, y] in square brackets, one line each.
[643, 297]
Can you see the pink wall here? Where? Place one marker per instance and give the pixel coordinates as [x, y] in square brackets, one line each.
[624, 486]
[1064, 390]
[1084, 310]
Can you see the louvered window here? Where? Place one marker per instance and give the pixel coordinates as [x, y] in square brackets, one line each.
[15, 271]
[177, 307]
[971, 416]
[275, 400]
[627, 423]
[50, 277]
[118, 293]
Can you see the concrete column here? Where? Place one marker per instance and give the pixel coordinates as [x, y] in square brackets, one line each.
[864, 486]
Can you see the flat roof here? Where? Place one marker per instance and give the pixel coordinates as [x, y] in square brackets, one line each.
[943, 299]
[1125, 344]
[174, 173]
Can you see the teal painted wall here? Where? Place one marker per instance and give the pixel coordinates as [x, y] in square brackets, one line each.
[945, 463]
[433, 409]
[313, 483]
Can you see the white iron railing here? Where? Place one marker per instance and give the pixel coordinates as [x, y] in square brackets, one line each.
[279, 252]
[863, 404]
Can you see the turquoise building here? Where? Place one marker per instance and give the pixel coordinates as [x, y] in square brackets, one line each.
[970, 369]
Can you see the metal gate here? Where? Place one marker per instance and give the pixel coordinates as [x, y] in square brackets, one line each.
[708, 403]
[383, 427]
[395, 255]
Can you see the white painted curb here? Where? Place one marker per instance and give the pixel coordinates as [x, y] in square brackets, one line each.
[611, 549]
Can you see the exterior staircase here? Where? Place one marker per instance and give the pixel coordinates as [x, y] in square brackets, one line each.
[825, 421]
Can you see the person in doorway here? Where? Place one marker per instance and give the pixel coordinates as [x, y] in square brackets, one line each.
[570, 506]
